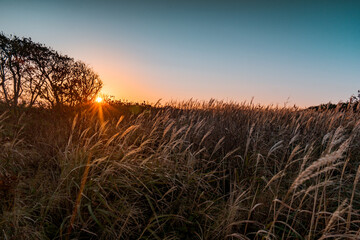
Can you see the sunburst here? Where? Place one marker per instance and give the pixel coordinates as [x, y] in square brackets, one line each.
[99, 100]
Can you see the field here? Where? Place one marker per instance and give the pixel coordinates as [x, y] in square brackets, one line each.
[191, 170]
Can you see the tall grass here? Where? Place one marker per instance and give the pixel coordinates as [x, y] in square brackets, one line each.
[190, 170]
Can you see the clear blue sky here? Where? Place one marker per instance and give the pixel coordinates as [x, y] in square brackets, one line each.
[301, 52]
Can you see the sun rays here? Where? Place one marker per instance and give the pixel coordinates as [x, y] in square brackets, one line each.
[101, 106]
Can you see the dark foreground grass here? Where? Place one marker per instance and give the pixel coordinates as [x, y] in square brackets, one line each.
[188, 171]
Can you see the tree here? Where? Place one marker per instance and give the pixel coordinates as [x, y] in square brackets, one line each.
[15, 68]
[34, 72]
[83, 84]
[53, 72]
[33, 78]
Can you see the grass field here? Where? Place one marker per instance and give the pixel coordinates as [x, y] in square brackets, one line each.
[189, 170]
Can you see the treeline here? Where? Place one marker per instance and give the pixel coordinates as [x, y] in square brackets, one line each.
[347, 106]
[33, 74]
[353, 104]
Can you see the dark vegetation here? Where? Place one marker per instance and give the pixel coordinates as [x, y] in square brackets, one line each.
[33, 74]
[188, 170]
[353, 104]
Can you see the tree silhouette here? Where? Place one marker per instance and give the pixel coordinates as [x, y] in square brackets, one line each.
[53, 71]
[83, 84]
[14, 68]
[33, 73]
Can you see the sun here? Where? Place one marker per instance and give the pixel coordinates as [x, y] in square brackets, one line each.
[99, 100]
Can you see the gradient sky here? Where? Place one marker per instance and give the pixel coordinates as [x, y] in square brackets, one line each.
[300, 52]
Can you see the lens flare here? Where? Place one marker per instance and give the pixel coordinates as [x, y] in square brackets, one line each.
[99, 99]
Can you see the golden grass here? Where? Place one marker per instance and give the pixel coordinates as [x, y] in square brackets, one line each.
[190, 170]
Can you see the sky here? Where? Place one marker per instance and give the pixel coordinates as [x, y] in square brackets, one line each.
[277, 52]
